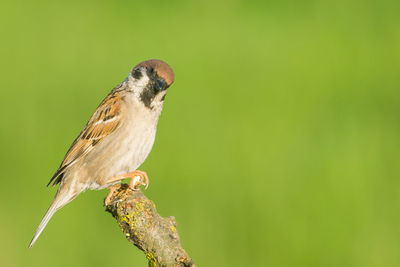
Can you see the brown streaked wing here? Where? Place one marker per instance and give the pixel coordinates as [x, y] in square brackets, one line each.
[103, 122]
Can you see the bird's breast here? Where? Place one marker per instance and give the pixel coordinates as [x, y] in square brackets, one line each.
[125, 150]
[136, 139]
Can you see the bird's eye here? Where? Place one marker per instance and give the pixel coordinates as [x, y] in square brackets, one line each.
[159, 85]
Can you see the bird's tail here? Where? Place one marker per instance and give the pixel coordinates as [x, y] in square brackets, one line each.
[60, 200]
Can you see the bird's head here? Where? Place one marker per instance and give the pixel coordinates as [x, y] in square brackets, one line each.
[149, 81]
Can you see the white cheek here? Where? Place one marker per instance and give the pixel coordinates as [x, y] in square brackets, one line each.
[139, 85]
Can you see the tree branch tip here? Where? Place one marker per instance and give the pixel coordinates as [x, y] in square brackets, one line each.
[156, 236]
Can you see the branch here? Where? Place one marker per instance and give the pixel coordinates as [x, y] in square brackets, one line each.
[157, 237]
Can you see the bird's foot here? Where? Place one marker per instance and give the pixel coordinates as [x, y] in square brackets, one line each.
[138, 178]
[112, 188]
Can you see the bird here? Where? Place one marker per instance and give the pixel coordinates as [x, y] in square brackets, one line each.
[116, 140]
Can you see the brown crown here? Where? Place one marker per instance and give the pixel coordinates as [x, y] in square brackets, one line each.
[163, 69]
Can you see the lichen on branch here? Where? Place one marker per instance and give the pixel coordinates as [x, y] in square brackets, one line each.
[156, 236]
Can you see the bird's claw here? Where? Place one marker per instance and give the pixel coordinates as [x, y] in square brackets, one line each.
[112, 189]
[139, 178]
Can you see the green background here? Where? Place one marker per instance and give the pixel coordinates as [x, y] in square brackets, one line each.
[278, 145]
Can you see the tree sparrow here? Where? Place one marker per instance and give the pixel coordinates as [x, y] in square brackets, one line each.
[116, 140]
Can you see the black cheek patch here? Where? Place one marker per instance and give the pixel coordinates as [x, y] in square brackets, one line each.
[147, 96]
[137, 74]
[154, 87]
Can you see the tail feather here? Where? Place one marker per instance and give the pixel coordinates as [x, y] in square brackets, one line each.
[59, 201]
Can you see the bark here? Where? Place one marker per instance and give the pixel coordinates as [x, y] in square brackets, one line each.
[157, 237]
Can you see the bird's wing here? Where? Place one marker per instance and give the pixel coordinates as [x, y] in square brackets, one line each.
[103, 122]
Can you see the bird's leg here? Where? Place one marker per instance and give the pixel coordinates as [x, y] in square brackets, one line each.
[112, 190]
[137, 178]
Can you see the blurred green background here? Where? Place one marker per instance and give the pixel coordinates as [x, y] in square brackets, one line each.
[278, 145]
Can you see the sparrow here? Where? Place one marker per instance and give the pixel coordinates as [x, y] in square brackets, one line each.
[116, 140]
